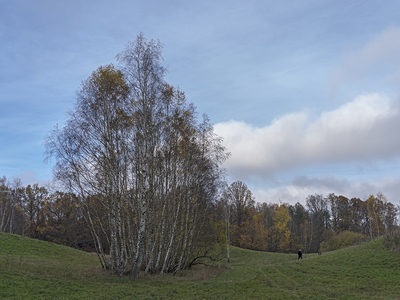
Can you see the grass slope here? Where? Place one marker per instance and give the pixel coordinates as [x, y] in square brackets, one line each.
[32, 269]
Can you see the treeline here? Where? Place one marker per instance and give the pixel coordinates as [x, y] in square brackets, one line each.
[324, 223]
[321, 224]
[34, 212]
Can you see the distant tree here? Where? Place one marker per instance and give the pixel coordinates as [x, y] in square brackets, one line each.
[242, 202]
[359, 215]
[381, 215]
[390, 219]
[33, 204]
[298, 218]
[64, 222]
[375, 207]
[280, 235]
[253, 234]
[13, 209]
[260, 240]
[341, 212]
[318, 210]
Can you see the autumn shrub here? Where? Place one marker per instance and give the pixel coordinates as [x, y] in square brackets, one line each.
[342, 240]
[392, 241]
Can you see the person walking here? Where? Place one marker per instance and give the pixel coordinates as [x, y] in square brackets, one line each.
[300, 254]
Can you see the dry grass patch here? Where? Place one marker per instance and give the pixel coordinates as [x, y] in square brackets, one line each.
[203, 272]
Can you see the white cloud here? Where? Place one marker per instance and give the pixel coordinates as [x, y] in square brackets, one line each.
[361, 130]
[301, 187]
[357, 142]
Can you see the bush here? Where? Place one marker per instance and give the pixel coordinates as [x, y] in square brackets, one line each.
[392, 241]
[342, 240]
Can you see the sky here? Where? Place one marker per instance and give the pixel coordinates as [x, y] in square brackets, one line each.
[304, 93]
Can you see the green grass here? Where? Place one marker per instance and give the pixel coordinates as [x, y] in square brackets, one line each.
[32, 269]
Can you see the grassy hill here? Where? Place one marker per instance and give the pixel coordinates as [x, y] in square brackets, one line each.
[32, 269]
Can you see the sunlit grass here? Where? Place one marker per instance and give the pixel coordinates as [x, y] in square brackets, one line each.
[32, 269]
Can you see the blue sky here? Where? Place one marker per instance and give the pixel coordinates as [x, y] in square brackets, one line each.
[305, 93]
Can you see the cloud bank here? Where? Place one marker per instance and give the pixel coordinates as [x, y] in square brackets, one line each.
[361, 130]
[301, 187]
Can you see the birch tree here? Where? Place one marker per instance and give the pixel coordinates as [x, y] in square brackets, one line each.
[227, 205]
[6, 205]
[135, 152]
[90, 154]
[242, 200]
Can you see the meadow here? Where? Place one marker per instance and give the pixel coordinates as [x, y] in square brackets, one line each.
[33, 269]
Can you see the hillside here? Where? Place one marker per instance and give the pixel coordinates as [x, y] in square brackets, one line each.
[33, 269]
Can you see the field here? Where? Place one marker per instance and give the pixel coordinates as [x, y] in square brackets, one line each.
[32, 269]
